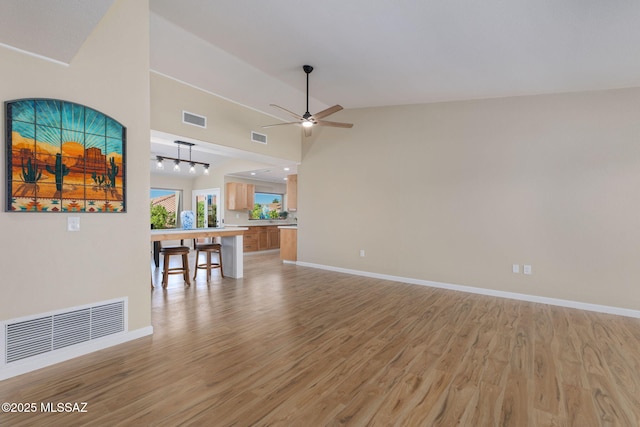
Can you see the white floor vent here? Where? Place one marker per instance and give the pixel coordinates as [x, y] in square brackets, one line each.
[43, 334]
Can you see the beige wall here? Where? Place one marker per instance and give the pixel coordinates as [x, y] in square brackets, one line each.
[228, 124]
[170, 182]
[458, 192]
[43, 266]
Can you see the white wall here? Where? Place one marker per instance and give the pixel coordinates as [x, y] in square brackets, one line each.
[458, 192]
[44, 267]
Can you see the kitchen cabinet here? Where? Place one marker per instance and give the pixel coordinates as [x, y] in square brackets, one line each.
[289, 243]
[239, 196]
[250, 240]
[274, 237]
[261, 238]
[292, 192]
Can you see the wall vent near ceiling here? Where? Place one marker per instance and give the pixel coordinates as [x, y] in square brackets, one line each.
[47, 333]
[258, 137]
[194, 119]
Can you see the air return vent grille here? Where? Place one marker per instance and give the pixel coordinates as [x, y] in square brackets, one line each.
[194, 119]
[258, 137]
[48, 333]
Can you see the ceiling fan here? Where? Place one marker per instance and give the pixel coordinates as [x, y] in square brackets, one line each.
[308, 120]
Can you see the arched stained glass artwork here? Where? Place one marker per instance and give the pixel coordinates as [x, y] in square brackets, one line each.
[63, 157]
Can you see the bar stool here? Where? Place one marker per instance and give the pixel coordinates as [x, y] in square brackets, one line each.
[184, 270]
[209, 248]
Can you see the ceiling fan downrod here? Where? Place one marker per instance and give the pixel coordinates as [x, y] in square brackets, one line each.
[307, 69]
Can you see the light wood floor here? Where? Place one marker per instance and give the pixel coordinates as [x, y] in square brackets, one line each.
[293, 346]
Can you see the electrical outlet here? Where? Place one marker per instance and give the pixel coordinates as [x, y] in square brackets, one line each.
[516, 268]
[527, 269]
[361, 252]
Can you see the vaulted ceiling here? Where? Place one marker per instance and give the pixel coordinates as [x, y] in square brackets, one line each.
[375, 53]
[365, 53]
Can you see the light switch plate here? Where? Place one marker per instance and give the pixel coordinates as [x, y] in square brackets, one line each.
[73, 223]
[516, 268]
[527, 269]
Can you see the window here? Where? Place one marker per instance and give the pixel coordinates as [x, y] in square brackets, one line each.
[266, 206]
[165, 206]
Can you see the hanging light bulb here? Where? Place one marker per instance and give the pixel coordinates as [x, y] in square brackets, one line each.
[159, 164]
[206, 169]
[176, 166]
[192, 168]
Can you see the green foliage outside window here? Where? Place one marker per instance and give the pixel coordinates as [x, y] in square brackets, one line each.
[159, 216]
[200, 214]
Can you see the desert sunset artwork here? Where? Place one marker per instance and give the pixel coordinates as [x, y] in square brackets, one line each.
[63, 157]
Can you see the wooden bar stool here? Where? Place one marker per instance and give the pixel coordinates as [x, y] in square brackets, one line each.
[184, 270]
[209, 248]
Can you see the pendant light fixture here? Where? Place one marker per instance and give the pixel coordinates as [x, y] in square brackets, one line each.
[178, 160]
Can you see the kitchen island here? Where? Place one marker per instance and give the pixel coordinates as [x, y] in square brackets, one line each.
[231, 239]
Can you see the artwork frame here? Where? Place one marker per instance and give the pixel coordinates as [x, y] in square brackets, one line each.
[63, 157]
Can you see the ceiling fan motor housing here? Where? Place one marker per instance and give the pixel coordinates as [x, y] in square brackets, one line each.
[307, 68]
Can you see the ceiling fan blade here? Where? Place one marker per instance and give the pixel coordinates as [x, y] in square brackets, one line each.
[281, 124]
[307, 131]
[297, 116]
[334, 124]
[327, 112]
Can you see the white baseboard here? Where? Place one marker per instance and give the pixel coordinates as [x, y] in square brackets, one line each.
[483, 291]
[37, 362]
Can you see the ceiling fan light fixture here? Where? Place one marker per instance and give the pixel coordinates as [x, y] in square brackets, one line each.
[308, 120]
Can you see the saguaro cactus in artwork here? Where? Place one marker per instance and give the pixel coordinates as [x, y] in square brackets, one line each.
[60, 171]
[112, 172]
[30, 172]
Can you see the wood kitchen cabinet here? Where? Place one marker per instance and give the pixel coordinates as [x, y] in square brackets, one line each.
[261, 238]
[250, 240]
[239, 196]
[292, 192]
[289, 248]
[274, 237]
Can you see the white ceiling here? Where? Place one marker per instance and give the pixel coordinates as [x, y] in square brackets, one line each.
[366, 53]
[374, 52]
